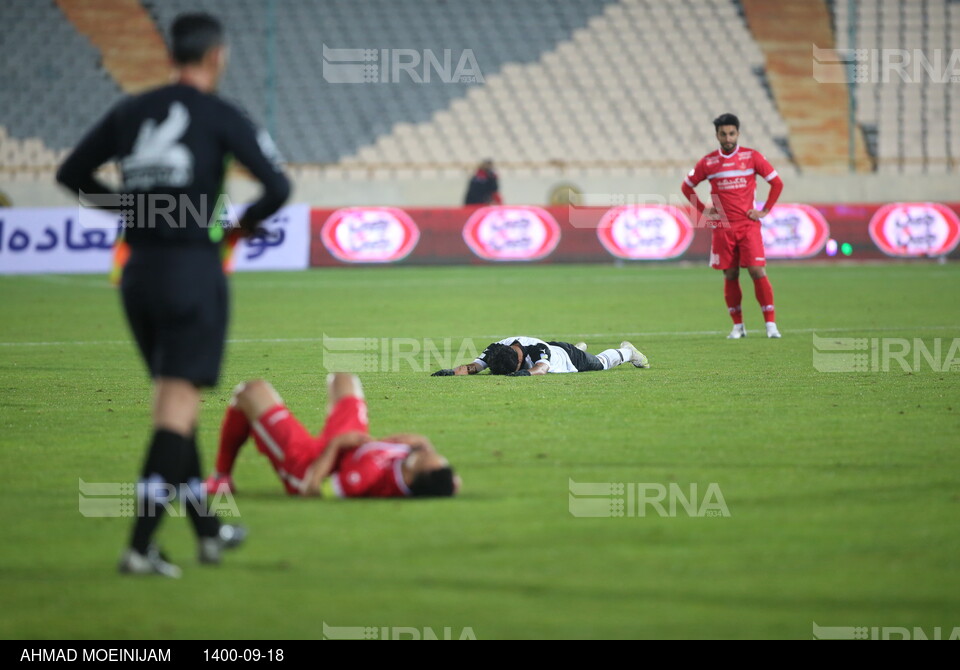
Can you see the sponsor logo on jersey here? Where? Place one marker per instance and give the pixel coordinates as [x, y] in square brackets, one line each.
[793, 231]
[915, 229]
[645, 232]
[370, 234]
[731, 183]
[504, 233]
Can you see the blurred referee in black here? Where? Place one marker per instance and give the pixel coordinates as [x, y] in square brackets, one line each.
[172, 145]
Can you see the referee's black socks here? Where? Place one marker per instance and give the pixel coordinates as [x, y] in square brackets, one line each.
[158, 484]
[172, 467]
[204, 523]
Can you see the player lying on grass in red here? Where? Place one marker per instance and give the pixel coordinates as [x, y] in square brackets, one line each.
[522, 356]
[354, 464]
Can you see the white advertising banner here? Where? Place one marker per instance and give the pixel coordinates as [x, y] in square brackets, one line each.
[74, 240]
[62, 240]
[286, 246]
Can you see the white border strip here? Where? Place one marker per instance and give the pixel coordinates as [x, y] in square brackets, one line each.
[570, 336]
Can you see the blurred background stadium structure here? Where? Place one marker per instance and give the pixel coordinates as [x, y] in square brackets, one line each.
[616, 95]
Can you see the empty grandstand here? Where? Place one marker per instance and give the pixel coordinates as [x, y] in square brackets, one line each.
[590, 87]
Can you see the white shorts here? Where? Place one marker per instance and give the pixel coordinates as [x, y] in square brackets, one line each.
[560, 361]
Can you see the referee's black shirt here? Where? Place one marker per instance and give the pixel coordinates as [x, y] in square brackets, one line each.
[172, 144]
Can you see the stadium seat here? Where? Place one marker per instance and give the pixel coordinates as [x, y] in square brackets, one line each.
[911, 116]
[574, 80]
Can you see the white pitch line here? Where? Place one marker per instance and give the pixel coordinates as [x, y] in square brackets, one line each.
[662, 333]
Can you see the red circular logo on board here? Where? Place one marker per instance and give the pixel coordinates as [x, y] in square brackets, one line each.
[915, 229]
[370, 234]
[504, 233]
[794, 231]
[645, 232]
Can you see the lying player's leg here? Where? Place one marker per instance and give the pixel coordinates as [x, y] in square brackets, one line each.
[346, 427]
[257, 396]
[342, 385]
[582, 361]
[346, 407]
[258, 411]
[234, 431]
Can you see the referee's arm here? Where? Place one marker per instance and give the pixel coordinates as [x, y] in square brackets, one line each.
[95, 149]
[256, 152]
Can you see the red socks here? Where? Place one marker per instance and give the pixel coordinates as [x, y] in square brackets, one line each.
[733, 295]
[233, 433]
[765, 297]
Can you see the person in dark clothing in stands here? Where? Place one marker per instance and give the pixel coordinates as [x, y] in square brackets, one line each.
[484, 188]
[171, 144]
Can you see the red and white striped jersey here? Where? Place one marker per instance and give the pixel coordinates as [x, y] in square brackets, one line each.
[733, 183]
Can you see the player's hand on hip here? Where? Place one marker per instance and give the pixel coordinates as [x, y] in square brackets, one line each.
[756, 214]
[250, 227]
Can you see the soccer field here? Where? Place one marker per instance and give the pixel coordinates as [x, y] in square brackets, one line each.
[843, 489]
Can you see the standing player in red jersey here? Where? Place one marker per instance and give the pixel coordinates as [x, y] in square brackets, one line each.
[737, 241]
[356, 465]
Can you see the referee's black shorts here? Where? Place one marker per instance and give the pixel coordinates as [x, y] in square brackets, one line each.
[177, 305]
[582, 361]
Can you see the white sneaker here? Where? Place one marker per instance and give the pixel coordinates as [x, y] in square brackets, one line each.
[582, 346]
[772, 330]
[638, 359]
[152, 563]
[737, 332]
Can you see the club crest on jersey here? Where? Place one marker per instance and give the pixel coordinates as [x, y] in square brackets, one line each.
[158, 158]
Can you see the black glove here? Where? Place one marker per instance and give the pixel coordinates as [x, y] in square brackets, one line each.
[443, 373]
[520, 373]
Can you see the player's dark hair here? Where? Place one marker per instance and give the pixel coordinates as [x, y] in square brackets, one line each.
[501, 359]
[192, 36]
[436, 483]
[726, 120]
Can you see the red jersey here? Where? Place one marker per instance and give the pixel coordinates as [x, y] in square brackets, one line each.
[372, 470]
[733, 183]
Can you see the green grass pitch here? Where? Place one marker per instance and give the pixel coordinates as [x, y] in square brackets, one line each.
[843, 488]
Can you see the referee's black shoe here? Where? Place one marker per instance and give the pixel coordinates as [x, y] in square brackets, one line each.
[230, 536]
[151, 563]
